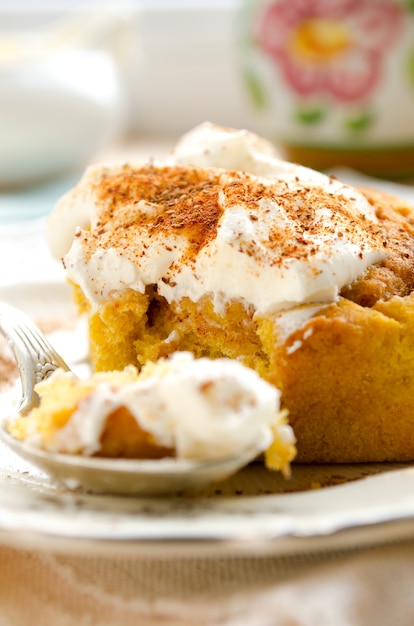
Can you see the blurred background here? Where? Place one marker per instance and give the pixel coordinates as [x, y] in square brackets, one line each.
[78, 76]
[87, 80]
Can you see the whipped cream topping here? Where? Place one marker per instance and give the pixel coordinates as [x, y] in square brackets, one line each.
[257, 229]
[200, 408]
[209, 145]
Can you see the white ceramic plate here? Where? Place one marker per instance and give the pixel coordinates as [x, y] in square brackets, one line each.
[322, 508]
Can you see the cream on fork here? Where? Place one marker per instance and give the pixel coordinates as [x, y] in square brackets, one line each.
[37, 360]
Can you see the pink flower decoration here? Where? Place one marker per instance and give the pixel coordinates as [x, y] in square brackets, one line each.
[330, 46]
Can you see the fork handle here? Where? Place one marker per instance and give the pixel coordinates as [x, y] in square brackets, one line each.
[34, 355]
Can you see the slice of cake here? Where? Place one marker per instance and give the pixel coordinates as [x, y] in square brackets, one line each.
[227, 251]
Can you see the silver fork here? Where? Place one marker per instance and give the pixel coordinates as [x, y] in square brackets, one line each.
[35, 356]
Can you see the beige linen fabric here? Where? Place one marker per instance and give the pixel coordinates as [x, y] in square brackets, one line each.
[371, 588]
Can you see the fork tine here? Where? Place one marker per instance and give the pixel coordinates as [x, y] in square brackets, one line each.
[35, 357]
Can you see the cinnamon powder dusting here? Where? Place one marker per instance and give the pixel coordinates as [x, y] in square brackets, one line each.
[183, 201]
[187, 202]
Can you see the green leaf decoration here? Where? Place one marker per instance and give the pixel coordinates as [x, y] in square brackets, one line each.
[255, 89]
[360, 121]
[410, 67]
[409, 4]
[312, 115]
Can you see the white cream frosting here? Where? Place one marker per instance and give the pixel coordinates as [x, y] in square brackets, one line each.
[203, 409]
[263, 256]
[209, 145]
